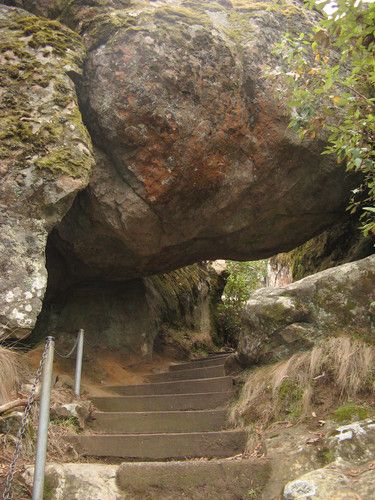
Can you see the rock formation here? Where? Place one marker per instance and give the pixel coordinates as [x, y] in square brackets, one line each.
[45, 155]
[278, 322]
[344, 242]
[194, 160]
[137, 314]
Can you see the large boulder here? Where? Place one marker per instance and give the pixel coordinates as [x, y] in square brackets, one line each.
[194, 159]
[277, 322]
[45, 155]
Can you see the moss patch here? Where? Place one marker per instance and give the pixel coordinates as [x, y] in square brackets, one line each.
[350, 412]
[42, 127]
[41, 33]
[325, 456]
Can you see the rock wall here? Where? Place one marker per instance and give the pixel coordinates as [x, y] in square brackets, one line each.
[45, 155]
[344, 242]
[129, 315]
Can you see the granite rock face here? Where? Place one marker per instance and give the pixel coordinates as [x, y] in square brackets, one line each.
[280, 321]
[45, 155]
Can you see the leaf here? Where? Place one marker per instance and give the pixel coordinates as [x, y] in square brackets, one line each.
[336, 99]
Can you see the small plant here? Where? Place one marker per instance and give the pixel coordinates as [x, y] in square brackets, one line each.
[254, 493]
[67, 423]
[325, 456]
[290, 398]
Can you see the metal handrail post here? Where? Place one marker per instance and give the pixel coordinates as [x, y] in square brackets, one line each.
[41, 447]
[78, 372]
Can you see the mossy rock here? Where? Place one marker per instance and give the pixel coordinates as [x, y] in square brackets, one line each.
[41, 124]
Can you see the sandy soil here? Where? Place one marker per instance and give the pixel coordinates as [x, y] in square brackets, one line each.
[102, 367]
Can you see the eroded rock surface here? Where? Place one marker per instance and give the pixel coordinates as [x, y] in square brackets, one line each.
[83, 481]
[278, 322]
[337, 481]
[194, 158]
[133, 315]
[45, 155]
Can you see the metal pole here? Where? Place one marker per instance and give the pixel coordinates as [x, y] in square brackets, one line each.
[78, 373]
[41, 447]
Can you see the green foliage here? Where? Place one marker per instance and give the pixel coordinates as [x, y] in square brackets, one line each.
[244, 277]
[331, 73]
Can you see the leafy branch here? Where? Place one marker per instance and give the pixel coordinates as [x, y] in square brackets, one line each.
[331, 75]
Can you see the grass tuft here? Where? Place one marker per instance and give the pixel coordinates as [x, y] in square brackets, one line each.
[287, 389]
[11, 374]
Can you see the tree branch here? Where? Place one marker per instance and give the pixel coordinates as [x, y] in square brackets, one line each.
[12, 404]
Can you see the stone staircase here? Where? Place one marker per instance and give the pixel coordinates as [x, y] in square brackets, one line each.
[173, 437]
[180, 414]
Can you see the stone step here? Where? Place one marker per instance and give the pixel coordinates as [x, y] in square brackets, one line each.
[194, 480]
[217, 384]
[159, 421]
[161, 446]
[190, 374]
[168, 402]
[199, 363]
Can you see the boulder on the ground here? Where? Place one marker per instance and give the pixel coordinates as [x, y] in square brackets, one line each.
[11, 422]
[45, 155]
[277, 322]
[354, 442]
[80, 411]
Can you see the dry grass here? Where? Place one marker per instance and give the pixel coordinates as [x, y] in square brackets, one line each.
[287, 389]
[12, 373]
